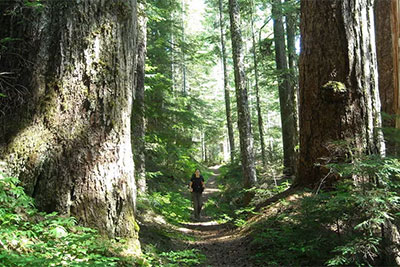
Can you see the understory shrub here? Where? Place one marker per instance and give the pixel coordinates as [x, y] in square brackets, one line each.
[342, 226]
[32, 238]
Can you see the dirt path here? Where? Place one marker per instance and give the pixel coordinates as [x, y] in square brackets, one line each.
[222, 245]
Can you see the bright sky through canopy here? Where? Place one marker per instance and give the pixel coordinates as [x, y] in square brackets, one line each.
[195, 15]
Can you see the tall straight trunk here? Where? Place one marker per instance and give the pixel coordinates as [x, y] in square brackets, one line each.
[70, 144]
[286, 92]
[138, 121]
[291, 26]
[244, 120]
[184, 81]
[226, 87]
[291, 41]
[258, 104]
[387, 48]
[203, 146]
[339, 97]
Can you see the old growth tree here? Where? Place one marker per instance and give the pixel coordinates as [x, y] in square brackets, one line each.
[339, 97]
[68, 135]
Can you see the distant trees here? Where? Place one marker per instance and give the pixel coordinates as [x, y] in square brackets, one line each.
[339, 97]
[228, 109]
[287, 94]
[70, 142]
[169, 119]
[260, 120]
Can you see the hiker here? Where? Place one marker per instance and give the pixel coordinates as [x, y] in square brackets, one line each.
[196, 186]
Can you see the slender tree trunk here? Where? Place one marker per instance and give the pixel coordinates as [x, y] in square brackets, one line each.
[71, 145]
[226, 87]
[291, 41]
[339, 97]
[258, 104]
[387, 40]
[286, 93]
[184, 85]
[291, 26]
[138, 104]
[244, 120]
[203, 146]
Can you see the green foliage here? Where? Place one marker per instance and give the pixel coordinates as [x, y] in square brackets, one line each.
[227, 206]
[172, 205]
[189, 257]
[391, 134]
[184, 258]
[337, 227]
[34, 4]
[32, 238]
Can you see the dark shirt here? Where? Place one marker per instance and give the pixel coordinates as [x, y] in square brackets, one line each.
[196, 183]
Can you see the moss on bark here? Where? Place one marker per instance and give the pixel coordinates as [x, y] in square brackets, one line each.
[73, 149]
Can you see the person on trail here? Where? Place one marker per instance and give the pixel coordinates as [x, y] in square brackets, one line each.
[197, 187]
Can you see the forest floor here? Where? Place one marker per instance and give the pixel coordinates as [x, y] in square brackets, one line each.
[222, 244]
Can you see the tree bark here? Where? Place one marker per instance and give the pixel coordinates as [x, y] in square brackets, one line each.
[257, 91]
[387, 43]
[286, 92]
[138, 121]
[291, 26]
[244, 120]
[71, 145]
[226, 87]
[183, 51]
[339, 97]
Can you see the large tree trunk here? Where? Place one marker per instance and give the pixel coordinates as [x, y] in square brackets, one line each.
[244, 120]
[138, 121]
[258, 102]
[70, 141]
[226, 87]
[286, 92]
[339, 98]
[387, 40]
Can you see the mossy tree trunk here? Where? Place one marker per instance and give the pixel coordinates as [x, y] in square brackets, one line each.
[339, 98]
[70, 141]
[139, 130]
[244, 120]
[387, 48]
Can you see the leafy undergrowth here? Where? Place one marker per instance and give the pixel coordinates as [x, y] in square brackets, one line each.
[186, 257]
[227, 206]
[32, 238]
[341, 226]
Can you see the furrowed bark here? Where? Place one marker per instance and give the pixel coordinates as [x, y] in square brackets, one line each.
[70, 144]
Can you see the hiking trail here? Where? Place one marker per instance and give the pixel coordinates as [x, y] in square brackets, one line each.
[221, 243]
